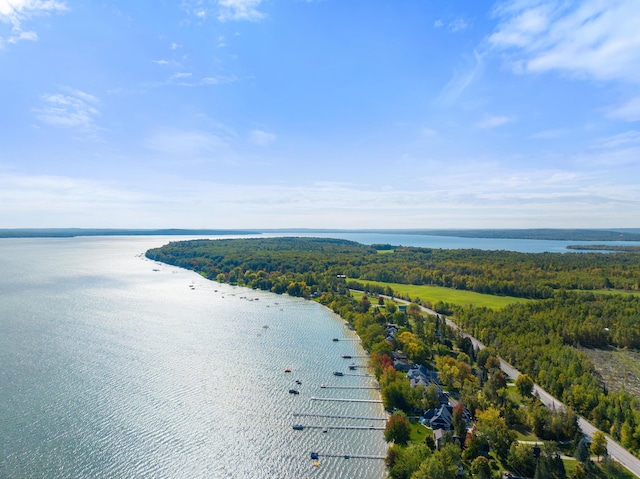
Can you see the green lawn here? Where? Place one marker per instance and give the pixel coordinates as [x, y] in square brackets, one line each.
[434, 294]
[419, 432]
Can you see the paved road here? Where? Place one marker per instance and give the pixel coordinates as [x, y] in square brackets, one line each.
[615, 450]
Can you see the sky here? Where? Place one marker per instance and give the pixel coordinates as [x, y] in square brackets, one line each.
[319, 114]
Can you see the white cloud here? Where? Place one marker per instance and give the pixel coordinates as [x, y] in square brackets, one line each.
[629, 111]
[458, 25]
[591, 38]
[72, 109]
[438, 24]
[493, 121]
[240, 10]
[17, 12]
[262, 138]
[225, 10]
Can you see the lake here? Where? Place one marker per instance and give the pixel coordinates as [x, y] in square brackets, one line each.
[116, 366]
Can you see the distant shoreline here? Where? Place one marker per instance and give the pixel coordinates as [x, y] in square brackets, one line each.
[604, 247]
[583, 235]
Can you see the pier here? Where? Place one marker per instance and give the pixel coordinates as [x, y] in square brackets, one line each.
[364, 428]
[378, 401]
[338, 416]
[324, 386]
[317, 455]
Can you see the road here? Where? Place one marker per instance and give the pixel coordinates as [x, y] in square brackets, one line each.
[614, 449]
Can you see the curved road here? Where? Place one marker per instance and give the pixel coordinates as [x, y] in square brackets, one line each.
[615, 450]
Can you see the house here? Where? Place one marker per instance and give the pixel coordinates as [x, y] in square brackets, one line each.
[439, 418]
[401, 365]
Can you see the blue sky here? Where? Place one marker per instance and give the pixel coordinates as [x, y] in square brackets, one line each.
[325, 113]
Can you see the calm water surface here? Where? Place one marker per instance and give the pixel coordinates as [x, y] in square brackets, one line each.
[115, 366]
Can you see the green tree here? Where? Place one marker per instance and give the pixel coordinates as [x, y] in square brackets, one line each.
[481, 467]
[524, 384]
[493, 428]
[398, 429]
[521, 459]
[443, 464]
[598, 444]
[582, 451]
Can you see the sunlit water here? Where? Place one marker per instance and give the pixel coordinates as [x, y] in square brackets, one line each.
[115, 366]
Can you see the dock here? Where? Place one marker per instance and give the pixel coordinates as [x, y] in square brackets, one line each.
[363, 428]
[324, 386]
[338, 416]
[378, 401]
[317, 455]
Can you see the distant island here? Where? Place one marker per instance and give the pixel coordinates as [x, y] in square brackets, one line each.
[604, 247]
[619, 234]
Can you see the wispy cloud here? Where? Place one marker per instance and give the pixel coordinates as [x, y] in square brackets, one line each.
[185, 144]
[18, 12]
[240, 10]
[225, 10]
[621, 139]
[590, 39]
[629, 111]
[71, 109]
[428, 133]
[493, 121]
[461, 80]
[548, 134]
[262, 138]
[458, 25]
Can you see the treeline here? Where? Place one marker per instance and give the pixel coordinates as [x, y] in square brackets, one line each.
[526, 275]
[537, 338]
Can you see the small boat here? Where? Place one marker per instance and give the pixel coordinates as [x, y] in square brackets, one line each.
[336, 340]
[316, 463]
[352, 367]
[266, 326]
[287, 370]
[315, 456]
[298, 427]
[346, 356]
[325, 429]
[323, 386]
[298, 382]
[338, 373]
[294, 391]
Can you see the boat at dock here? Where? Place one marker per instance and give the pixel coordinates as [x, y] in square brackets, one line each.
[346, 356]
[338, 373]
[294, 391]
[298, 427]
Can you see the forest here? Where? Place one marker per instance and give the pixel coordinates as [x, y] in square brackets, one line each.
[538, 337]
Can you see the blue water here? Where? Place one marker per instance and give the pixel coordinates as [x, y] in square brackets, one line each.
[116, 366]
[451, 242]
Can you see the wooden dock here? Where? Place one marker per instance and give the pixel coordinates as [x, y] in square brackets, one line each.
[316, 455]
[338, 416]
[324, 386]
[362, 428]
[378, 401]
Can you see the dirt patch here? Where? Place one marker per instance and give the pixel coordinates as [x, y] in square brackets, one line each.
[619, 368]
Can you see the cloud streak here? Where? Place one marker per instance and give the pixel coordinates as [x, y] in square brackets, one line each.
[18, 12]
[71, 109]
[587, 39]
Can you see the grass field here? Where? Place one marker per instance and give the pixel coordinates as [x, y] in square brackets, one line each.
[434, 294]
